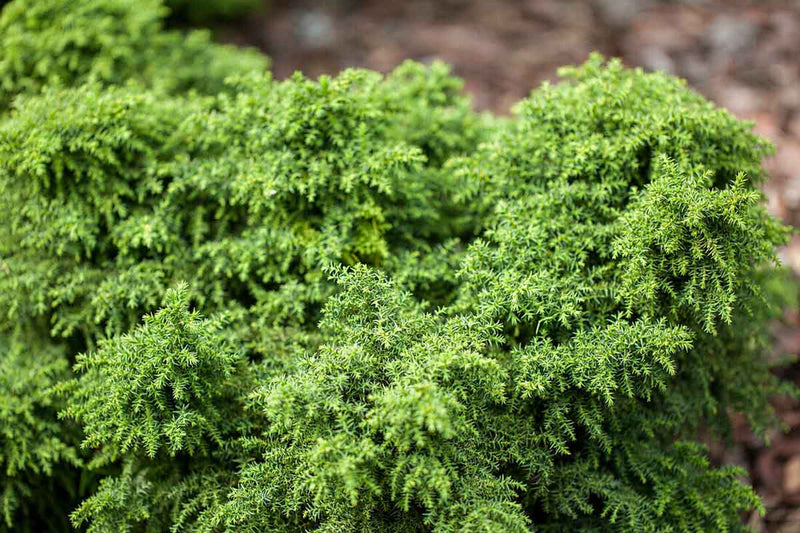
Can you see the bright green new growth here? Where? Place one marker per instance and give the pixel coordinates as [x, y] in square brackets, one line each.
[165, 398]
[126, 192]
[685, 246]
[420, 319]
[403, 412]
[165, 379]
[386, 417]
[72, 193]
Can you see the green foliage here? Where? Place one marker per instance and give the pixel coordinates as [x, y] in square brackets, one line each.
[159, 386]
[420, 318]
[72, 193]
[685, 245]
[126, 192]
[158, 496]
[33, 445]
[170, 388]
[110, 41]
[652, 489]
[213, 10]
[385, 417]
[408, 422]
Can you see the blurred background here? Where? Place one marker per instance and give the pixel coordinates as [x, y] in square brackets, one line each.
[745, 56]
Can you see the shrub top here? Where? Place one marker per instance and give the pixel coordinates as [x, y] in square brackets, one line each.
[56, 42]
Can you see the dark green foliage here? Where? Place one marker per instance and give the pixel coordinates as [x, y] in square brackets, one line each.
[653, 489]
[420, 319]
[109, 41]
[159, 496]
[208, 11]
[33, 445]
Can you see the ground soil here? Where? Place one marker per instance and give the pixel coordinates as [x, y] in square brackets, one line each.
[743, 55]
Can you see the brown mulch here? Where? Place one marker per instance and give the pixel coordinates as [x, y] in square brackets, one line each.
[743, 55]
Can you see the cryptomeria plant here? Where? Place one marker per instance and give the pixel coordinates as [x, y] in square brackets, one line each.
[353, 304]
[59, 42]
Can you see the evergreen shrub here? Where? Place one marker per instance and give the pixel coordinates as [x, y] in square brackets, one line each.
[232, 303]
[199, 11]
[59, 42]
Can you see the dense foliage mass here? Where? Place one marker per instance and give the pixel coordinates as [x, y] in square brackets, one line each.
[232, 303]
[66, 43]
